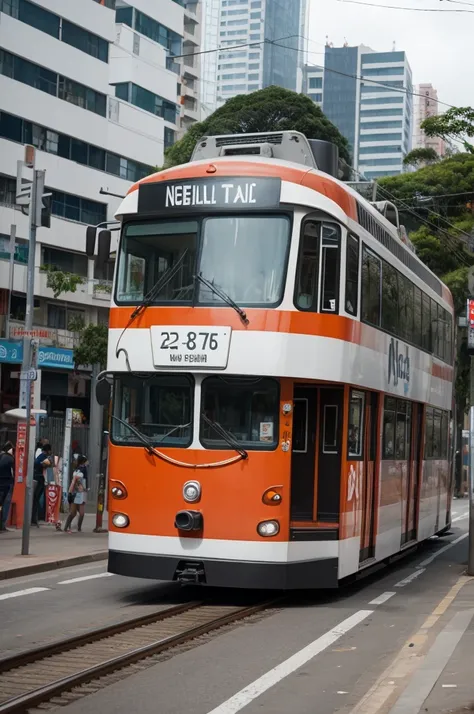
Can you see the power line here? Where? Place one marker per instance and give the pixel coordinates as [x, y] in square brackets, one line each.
[399, 7]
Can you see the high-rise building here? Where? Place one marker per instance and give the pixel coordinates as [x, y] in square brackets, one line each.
[369, 96]
[98, 88]
[265, 47]
[426, 105]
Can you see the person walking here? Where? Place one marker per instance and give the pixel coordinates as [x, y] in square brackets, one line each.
[7, 480]
[42, 462]
[77, 495]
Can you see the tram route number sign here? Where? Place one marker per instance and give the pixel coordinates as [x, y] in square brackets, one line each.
[190, 346]
[230, 193]
[470, 325]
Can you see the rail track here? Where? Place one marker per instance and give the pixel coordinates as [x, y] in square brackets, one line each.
[54, 675]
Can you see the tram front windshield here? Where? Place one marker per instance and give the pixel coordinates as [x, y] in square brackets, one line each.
[244, 256]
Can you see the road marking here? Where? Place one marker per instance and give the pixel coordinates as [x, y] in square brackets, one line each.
[436, 659]
[460, 518]
[443, 550]
[410, 578]
[382, 598]
[407, 660]
[449, 686]
[85, 577]
[19, 593]
[275, 675]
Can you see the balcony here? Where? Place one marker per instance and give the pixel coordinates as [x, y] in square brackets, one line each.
[50, 336]
[102, 290]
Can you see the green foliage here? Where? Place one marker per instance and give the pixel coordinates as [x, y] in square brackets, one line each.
[420, 156]
[270, 109]
[434, 250]
[449, 176]
[92, 347]
[61, 282]
[457, 123]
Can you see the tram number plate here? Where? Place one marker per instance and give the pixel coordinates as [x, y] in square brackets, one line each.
[190, 346]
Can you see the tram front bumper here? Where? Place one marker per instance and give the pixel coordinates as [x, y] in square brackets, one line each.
[313, 574]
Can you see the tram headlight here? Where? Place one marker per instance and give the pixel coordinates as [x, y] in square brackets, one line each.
[120, 520]
[272, 496]
[267, 529]
[192, 491]
[119, 492]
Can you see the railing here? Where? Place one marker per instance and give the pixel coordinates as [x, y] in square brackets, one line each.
[172, 65]
[102, 289]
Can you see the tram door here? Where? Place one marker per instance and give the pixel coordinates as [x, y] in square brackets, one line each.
[414, 466]
[303, 459]
[369, 503]
[331, 403]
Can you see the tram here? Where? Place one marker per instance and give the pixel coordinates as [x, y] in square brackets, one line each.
[280, 370]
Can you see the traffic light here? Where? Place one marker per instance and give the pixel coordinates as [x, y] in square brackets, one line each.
[46, 201]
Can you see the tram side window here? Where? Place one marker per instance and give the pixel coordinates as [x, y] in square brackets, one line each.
[355, 437]
[403, 430]
[444, 435]
[449, 338]
[371, 280]
[352, 274]
[306, 297]
[330, 253]
[437, 434]
[429, 433]
[389, 420]
[434, 326]
[417, 312]
[406, 311]
[390, 299]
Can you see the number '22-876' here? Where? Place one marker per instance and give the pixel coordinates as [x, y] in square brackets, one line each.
[199, 340]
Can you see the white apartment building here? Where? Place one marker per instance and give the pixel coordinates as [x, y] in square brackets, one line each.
[95, 87]
[426, 105]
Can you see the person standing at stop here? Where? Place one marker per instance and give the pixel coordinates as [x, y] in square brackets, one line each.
[42, 462]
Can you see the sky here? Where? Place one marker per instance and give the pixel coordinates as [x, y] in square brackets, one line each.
[438, 44]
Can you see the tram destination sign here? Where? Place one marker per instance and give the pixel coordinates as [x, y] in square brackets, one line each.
[228, 193]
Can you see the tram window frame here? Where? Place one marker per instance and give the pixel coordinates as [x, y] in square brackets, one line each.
[390, 297]
[351, 299]
[403, 435]
[356, 398]
[369, 289]
[425, 322]
[389, 409]
[126, 381]
[313, 306]
[434, 326]
[429, 420]
[242, 381]
[444, 435]
[437, 419]
[417, 315]
[330, 251]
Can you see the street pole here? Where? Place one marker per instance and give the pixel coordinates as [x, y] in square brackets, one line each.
[37, 188]
[470, 562]
[10, 278]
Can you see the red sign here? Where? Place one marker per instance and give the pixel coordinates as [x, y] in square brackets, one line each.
[21, 332]
[53, 502]
[471, 311]
[18, 499]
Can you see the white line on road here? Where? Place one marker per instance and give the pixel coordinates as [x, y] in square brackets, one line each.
[275, 675]
[460, 518]
[19, 593]
[443, 550]
[382, 598]
[85, 577]
[410, 578]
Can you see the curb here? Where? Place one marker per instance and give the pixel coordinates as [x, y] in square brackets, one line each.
[35, 568]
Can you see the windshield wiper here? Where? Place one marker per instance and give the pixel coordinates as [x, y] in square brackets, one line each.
[223, 296]
[145, 441]
[225, 435]
[161, 283]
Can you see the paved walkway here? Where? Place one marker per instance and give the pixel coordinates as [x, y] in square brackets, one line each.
[50, 549]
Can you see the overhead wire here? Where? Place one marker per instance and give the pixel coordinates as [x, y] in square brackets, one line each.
[400, 7]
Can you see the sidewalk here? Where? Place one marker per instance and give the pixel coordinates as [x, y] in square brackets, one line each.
[50, 549]
[444, 682]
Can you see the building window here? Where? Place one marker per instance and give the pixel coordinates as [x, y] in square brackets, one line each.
[170, 137]
[85, 41]
[144, 99]
[316, 97]
[315, 82]
[158, 33]
[78, 209]
[7, 190]
[82, 96]
[66, 261]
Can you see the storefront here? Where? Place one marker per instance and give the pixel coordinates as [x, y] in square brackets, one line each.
[60, 386]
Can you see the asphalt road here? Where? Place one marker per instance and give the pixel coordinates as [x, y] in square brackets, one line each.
[319, 654]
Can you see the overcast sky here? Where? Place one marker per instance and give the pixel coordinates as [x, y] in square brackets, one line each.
[438, 45]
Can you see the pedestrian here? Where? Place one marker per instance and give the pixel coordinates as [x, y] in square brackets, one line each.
[39, 446]
[7, 480]
[42, 462]
[77, 495]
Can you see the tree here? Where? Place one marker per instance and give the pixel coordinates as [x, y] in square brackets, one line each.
[92, 347]
[442, 253]
[59, 281]
[444, 187]
[457, 124]
[420, 156]
[270, 109]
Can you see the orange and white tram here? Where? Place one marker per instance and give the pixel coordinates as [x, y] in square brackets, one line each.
[281, 370]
